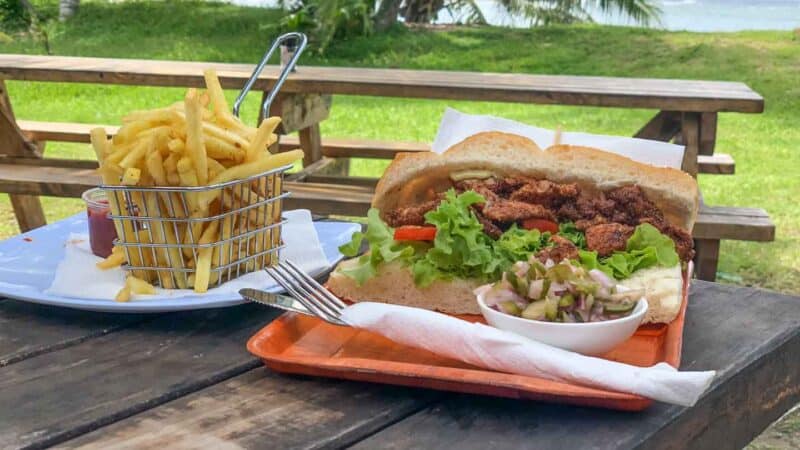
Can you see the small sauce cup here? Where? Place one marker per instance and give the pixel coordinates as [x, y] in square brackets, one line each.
[101, 228]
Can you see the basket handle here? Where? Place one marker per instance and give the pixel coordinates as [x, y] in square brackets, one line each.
[301, 40]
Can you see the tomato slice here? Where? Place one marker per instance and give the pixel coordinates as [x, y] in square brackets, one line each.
[415, 233]
[540, 224]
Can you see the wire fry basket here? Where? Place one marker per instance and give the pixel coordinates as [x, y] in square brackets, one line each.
[167, 242]
[164, 243]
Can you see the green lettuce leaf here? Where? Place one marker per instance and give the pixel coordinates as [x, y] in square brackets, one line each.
[382, 248]
[461, 248]
[647, 247]
[352, 248]
[647, 236]
[568, 231]
[518, 244]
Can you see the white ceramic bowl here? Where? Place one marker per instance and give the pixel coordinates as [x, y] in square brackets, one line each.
[591, 338]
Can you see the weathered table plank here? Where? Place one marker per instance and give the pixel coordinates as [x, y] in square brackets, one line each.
[663, 94]
[63, 394]
[751, 337]
[27, 329]
[261, 409]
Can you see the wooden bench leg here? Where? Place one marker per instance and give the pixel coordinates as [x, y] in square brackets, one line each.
[29, 212]
[690, 132]
[311, 143]
[708, 133]
[662, 127]
[706, 258]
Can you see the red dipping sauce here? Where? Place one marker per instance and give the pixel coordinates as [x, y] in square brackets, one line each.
[101, 228]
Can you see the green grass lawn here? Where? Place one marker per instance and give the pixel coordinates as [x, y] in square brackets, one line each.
[766, 146]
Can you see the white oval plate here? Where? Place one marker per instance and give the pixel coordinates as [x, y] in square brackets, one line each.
[28, 263]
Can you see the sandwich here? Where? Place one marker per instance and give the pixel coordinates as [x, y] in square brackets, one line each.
[442, 225]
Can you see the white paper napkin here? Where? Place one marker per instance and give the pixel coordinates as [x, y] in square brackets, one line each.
[457, 126]
[495, 349]
[78, 277]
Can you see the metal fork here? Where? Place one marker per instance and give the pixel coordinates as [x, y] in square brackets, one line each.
[308, 291]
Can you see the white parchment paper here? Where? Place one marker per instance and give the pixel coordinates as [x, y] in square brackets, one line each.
[457, 126]
[78, 277]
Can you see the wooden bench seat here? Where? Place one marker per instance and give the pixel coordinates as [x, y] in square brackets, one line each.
[719, 163]
[713, 223]
[25, 179]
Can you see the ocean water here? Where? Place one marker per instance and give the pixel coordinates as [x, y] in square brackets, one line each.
[692, 15]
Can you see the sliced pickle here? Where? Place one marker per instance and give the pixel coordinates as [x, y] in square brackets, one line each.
[535, 311]
[520, 285]
[566, 300]
[618, 308]
[471, 175]
[510, 307]
[551, 308]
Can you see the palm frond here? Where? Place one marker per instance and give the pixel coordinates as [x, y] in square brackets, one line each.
[544, 12]
[641, 11]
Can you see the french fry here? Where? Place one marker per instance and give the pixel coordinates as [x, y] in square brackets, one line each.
[220, 105]
[171, 169]
[176, 259]
[139, 286]
[135, 156]
[195, 146]
[123, 295]
[188, 177]
[100, 143]
[176, 145]
[155, 166]
[218, 101]
[113, 260]
[128, 131]
[221, 255]
[158, 230]
[263, 164]
[214, 167]
[219, 149]
[225, 135]
[262, 138]
[193, 233]
[203, 270]
[131, 176]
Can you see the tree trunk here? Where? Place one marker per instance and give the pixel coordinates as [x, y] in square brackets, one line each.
[387, 14]
[67, 9]
[421, 11]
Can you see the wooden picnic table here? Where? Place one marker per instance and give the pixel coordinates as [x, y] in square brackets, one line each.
[686, 112]
[92, 380]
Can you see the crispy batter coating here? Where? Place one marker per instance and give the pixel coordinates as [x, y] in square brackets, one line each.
[607, 238]
[543, 192]
[507, 211]
[410, 215]
[489, 227]
[561, 250]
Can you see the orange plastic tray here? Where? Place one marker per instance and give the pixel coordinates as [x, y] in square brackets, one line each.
[305, 345]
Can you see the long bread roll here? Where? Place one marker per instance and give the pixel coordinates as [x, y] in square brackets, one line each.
[411, 176]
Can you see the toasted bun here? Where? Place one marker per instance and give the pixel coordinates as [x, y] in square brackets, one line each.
[395, 284]
[410, 177]
[663, 290]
